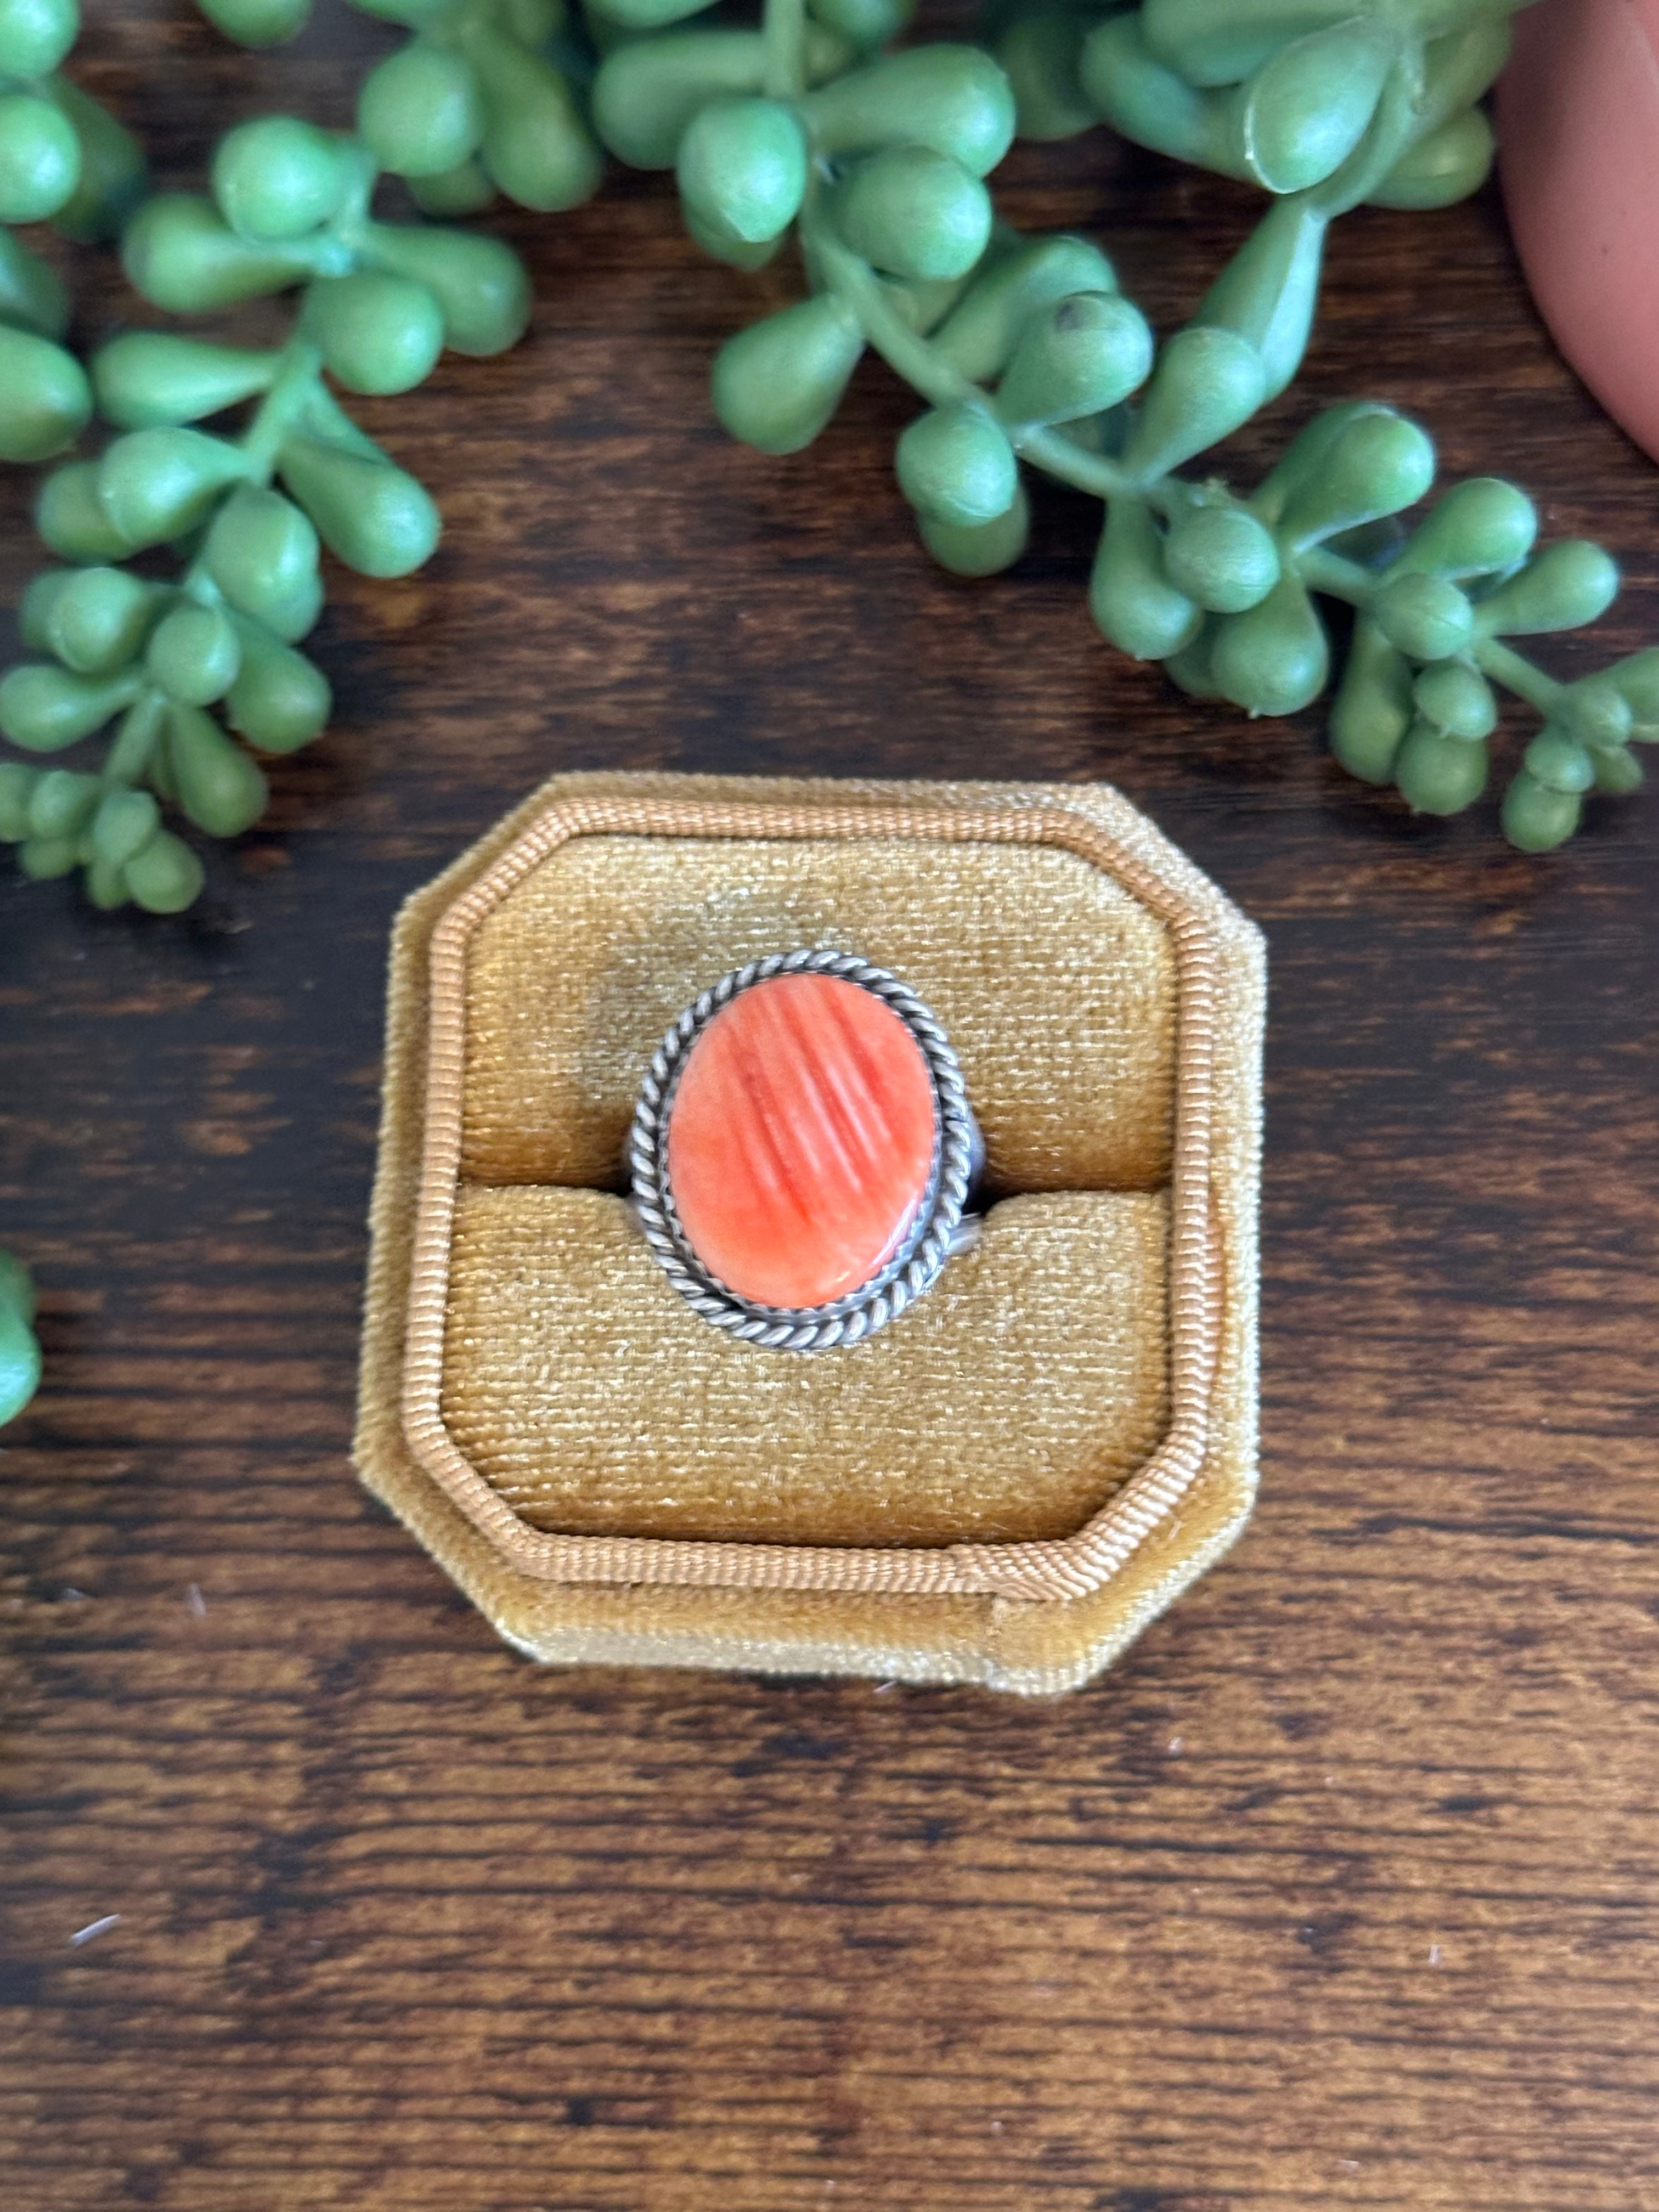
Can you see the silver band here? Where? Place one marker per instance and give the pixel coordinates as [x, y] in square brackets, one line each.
[939, 1227]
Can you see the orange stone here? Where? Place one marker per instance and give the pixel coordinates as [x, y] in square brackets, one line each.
[800, 1139]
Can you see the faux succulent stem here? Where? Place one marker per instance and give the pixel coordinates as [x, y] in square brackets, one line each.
[1522, 677]
[841, 272]
[1326, 572]
[296, 380]
[295, 384]
[908, 355]
[783, 33]
[127, 761]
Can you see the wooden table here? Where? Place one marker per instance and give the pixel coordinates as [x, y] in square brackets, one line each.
[1339, 1891]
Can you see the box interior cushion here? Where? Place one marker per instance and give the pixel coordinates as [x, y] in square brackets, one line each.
[1055, 986]
[1007, 1405]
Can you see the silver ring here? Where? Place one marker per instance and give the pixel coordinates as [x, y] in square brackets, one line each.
[940, 1226]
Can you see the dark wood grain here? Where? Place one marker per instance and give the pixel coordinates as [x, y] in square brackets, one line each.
[1340, 1890]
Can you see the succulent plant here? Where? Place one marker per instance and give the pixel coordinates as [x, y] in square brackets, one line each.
[184, 668]
[799, 130]
[63, 159]
[1028, 355]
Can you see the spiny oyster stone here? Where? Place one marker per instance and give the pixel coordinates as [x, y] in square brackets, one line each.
[800, 1139]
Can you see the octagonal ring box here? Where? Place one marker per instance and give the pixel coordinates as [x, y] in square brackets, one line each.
[1002, 1488]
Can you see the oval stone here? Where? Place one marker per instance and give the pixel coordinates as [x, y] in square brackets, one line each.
[800, 1139]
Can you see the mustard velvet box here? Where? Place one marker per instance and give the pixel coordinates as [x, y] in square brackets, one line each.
[1006, 1483]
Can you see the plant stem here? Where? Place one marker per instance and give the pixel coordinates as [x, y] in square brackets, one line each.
[294, 382]
[1322, 570]
[1326, 572]
[908, 355]
[853, 282]
[783, 37]
[1508, 668]
[1060, 456]
[297, 369]
[129, 757]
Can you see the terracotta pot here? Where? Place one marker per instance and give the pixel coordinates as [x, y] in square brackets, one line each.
[1579, 131]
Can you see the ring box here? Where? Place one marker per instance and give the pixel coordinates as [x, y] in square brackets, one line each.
[1006, 1484]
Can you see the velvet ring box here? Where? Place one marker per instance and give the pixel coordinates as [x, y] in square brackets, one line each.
[1004, 1486]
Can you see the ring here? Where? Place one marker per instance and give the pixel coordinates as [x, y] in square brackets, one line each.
[803, 1151]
